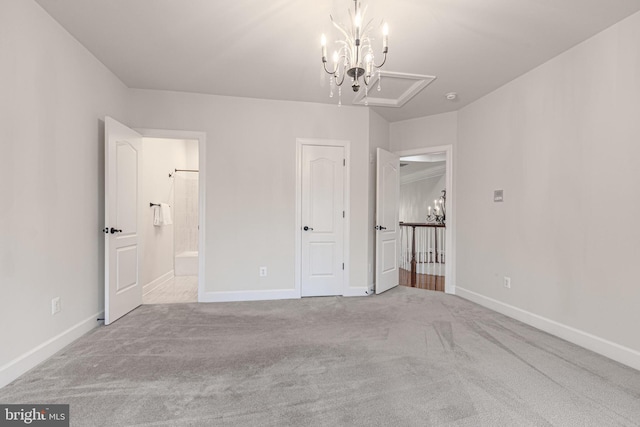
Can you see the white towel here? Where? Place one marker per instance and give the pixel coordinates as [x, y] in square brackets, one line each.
[166, 214]
[156, 216]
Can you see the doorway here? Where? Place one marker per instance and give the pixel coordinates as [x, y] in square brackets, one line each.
[126, 213]
[169, 221]
[426, 217]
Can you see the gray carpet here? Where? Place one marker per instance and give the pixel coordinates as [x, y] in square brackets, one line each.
[408, 357]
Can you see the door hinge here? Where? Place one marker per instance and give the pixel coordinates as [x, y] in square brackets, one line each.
[344, 162]
[342, 214]
[343, 265]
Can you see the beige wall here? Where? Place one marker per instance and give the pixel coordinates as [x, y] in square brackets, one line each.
[54, 96]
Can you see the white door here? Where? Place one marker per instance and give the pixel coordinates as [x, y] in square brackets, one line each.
[322, 220]
[387, 225]
[122, 289]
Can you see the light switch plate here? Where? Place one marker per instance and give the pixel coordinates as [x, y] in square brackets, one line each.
[498, 195]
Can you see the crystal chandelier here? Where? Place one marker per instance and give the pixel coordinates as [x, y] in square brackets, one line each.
[354, 57]
[439, 215]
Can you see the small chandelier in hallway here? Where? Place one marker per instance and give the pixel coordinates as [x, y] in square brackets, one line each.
[438, 216]
[354, 57]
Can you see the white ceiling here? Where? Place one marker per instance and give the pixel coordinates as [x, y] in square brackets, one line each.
[411, 168]
[271, 48]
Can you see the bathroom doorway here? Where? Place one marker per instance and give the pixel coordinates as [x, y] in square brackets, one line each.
[169, 261]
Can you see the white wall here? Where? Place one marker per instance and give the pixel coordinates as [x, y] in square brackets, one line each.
[54, 97]
[417, 196]
[563, 143]
[378, 138]
[161, 157]
[186, 229]
[430, 131]
[251, 170]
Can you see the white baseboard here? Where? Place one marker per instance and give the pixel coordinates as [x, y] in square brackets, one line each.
[617, 352]
[226, 296]
[361, 291]
[157, 282]
[29, 360]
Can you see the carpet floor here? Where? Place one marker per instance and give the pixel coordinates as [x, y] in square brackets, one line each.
[409, 357]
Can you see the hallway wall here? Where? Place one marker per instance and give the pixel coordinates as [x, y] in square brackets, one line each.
[417, 196]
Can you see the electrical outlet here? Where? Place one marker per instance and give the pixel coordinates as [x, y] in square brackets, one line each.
[55, 305]
[507, 282]
[263, 271]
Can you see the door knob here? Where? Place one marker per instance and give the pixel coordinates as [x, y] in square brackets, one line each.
[115, 230]
[305, 228]
[379, 227]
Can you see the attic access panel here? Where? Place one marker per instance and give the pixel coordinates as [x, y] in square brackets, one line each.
[397, 89]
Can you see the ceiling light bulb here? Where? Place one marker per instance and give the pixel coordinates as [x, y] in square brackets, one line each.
[323, 43]
[335, 57]
[385, 37]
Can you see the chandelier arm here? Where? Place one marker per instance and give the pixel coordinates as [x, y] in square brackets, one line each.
[341, 80]
[365, 28]
[333, 73]
[383, 60]
[340, 27]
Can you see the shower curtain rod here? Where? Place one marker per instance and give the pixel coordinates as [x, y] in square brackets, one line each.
[187, 170]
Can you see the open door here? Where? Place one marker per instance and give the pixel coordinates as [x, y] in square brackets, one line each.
[387, 225]
[122, 288]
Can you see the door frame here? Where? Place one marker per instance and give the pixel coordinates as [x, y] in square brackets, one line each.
[346, 145]
[449, 269]
[202, 193]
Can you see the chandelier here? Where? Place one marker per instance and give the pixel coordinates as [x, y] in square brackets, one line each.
[439, 211]
[354, 57]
